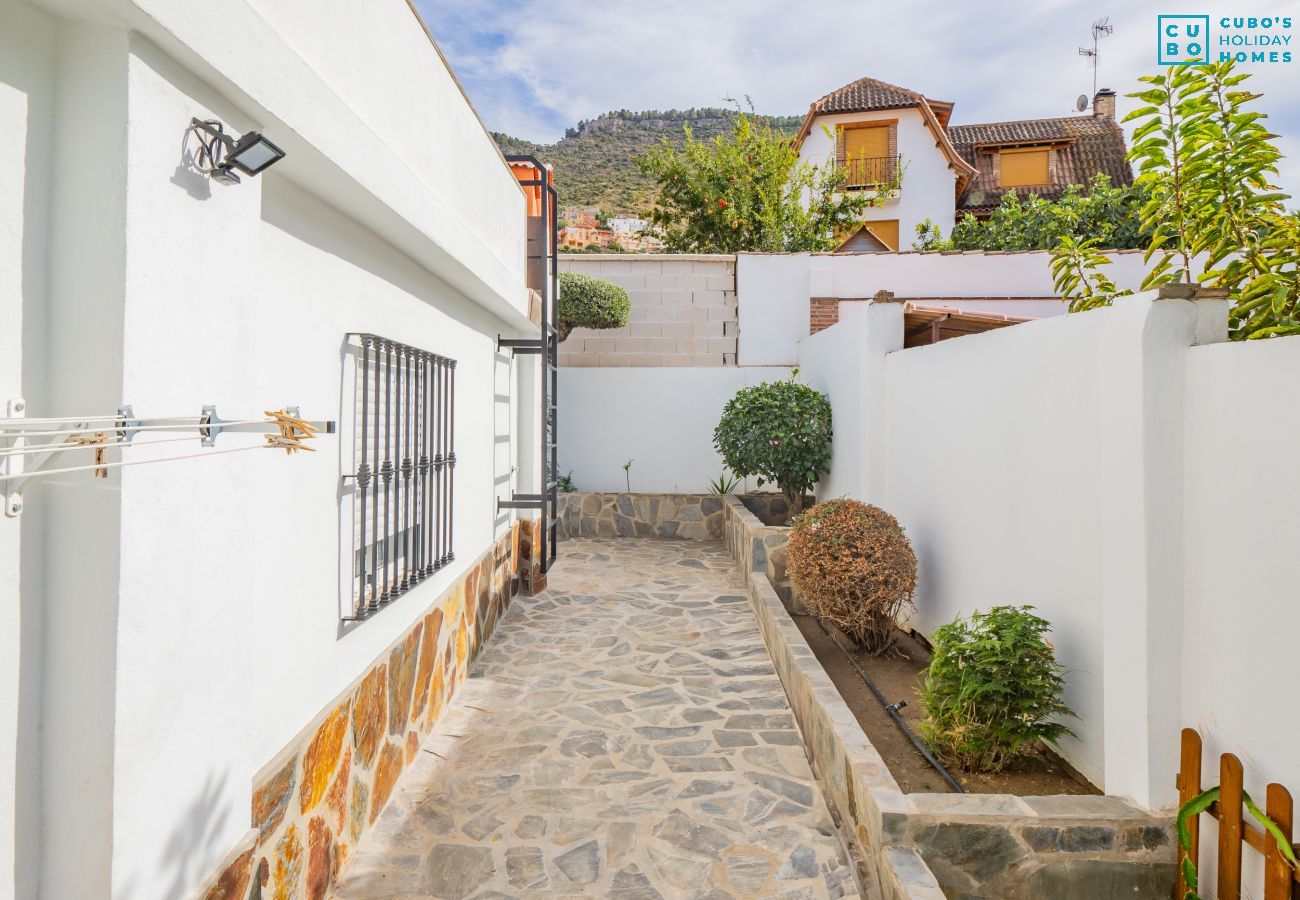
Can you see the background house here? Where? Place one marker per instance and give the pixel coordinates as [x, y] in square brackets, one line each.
[183, 700]
[870, 128]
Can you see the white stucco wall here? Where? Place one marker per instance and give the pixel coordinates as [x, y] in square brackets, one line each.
[929, 185]
[1241, 616]
[1041, 464]
[185, 621]
[662, 418]
[774, 290]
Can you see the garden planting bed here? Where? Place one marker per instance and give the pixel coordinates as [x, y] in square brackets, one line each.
[897, 676]
[924, 844]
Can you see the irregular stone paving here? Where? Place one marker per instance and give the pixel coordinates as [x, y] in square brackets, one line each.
[622, 735]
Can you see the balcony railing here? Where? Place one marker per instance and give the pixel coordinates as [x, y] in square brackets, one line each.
[868, 171]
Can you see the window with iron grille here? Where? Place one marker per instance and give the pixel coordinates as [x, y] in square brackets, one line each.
[403, 469]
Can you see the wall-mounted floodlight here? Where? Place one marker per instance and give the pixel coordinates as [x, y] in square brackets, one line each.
[220, 154]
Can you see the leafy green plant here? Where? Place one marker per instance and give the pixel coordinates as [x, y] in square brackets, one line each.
[627, 473]
[564, 483]
[852, 565]
[749, 191]
[1077, 274]
[929, 236]
[993, 689]
[1098, 211]
[1207, 163]
[588, 302]
[778, 431]
[724, 484]
[1199, 804]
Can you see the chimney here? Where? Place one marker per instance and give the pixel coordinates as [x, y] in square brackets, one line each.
[1104, 103]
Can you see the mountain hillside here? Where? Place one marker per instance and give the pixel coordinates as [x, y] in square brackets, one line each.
[594, 161]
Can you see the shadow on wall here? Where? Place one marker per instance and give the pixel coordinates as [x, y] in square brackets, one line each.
[188, 847]
[308, 218]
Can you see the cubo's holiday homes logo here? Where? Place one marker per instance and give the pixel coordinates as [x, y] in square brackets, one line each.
[1184, 40]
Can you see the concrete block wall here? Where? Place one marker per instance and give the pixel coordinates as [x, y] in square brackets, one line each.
[683, 311]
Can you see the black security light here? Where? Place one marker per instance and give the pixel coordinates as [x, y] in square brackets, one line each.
[220, 154]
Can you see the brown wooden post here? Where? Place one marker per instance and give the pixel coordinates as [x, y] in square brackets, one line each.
[1278, 877]
[1229, 827]
[1189, 786]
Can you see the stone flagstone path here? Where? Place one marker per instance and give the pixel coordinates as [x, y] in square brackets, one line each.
[621, 735]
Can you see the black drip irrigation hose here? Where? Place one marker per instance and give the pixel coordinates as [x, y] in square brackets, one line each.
[892, 709]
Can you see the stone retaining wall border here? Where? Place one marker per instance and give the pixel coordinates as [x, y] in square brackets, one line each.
[928, 846]
[325, 790]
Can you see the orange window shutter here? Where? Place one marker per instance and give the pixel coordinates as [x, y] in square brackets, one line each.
[867, 143]
[1023, 168]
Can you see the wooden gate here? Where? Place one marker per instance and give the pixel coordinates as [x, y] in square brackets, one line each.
[1280, 879]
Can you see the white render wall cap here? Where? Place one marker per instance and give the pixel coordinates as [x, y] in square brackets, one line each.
[681, 257]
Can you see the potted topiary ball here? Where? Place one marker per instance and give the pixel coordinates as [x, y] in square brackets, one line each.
[852, 565]
[589, 302]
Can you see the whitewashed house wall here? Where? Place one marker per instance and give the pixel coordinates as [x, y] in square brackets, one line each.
[170, 630]
[929, 186]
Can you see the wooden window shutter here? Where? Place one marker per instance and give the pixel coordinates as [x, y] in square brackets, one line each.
[839, 144]
[1023, 168]
[893, 140]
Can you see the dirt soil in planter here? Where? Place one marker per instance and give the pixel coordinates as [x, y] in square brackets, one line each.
[897, 678]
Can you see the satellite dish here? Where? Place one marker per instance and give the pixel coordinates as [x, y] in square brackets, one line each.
[1082, 103]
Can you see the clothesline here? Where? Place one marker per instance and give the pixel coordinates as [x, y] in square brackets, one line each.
[136, 462]
[197, 426]
[32, 449]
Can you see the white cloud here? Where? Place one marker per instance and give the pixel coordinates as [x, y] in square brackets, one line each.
[532, 67]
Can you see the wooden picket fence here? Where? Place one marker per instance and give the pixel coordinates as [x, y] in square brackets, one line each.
[1281, 881]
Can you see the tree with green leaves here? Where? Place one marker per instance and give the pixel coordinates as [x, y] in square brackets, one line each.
[589, 302]
[1098, 212]
[779, 431]
[749, 191]
[1214, 213]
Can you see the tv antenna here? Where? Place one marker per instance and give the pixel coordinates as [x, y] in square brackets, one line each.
[1100, 29]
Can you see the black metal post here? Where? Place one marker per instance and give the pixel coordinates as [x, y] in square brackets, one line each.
[388, 470]
[363, 471]
[451, 464]
[407, 434]
[438, 463]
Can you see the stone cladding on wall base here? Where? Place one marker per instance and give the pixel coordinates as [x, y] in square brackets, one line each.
[693, 517]
[930, 846]
[323, 792]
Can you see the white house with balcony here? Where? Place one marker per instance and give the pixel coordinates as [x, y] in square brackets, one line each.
[875, 131]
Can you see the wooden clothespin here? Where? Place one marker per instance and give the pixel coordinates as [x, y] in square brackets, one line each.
[101, 453]
[293, 431]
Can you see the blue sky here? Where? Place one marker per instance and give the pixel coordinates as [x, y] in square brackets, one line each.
[532, 68]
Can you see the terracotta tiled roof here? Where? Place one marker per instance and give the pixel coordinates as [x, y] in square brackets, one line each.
[867, 94]
[1086, 145]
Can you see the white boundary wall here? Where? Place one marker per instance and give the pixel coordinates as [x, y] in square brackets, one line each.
[775, 290]
[1124, 471]
[661, 418]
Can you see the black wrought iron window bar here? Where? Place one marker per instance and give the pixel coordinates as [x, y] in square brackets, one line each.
[404, 450]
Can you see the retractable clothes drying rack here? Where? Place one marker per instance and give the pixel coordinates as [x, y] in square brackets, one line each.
[33, 448]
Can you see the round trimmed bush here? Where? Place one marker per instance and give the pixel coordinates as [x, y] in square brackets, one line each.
[778, 431]
[587, 302]
[852, 565]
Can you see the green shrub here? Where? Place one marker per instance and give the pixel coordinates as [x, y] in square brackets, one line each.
[778, 432]
[587, 302]
[993, 689]
[851, 564]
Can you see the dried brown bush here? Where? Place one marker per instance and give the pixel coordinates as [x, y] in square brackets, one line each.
[852, 565]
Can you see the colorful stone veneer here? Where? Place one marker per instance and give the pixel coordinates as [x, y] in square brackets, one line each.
[324, 791]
